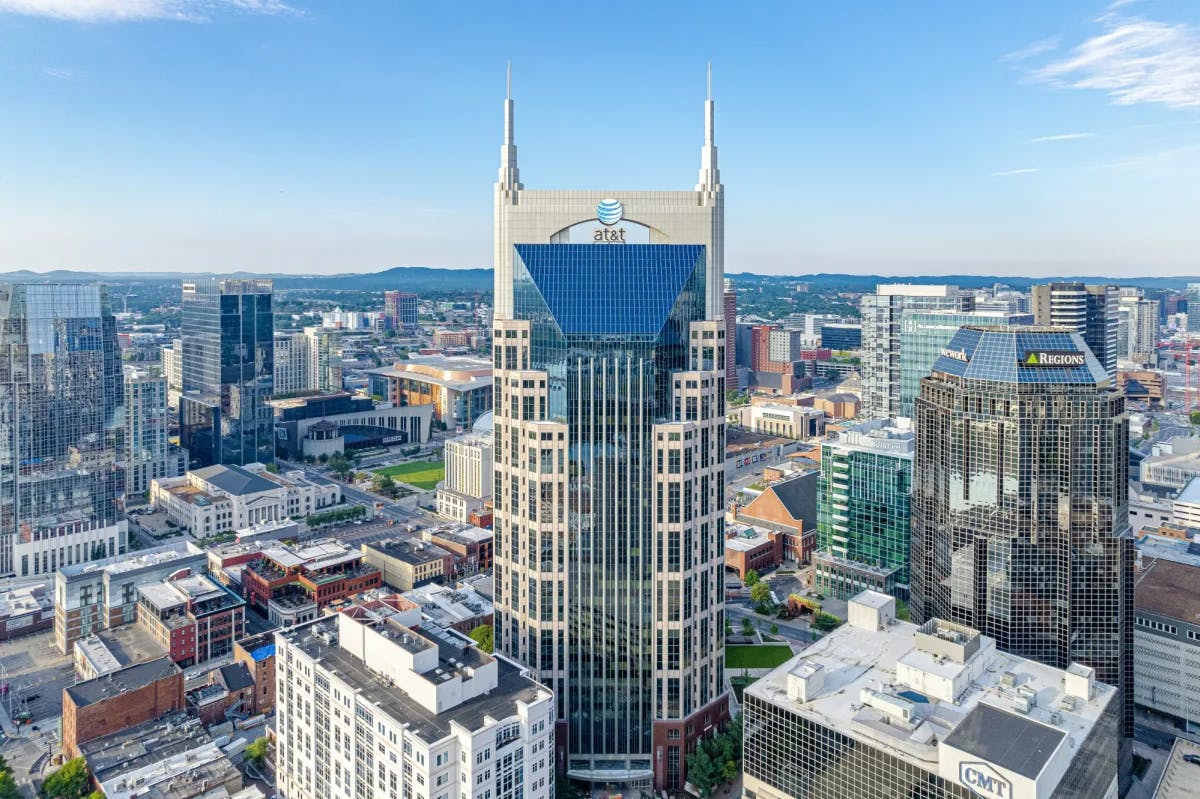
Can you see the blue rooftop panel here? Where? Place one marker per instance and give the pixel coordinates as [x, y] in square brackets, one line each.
[616, 289]
[1020, 354]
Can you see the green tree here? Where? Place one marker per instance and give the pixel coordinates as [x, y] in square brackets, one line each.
[272, 468]
[485, 636]
[702, 772]
[826, 621]
[747, 627]
[8, 787]
[384, 484]
[256, 752]
[72, 781]
[752, 578]
[760, 594]
[564, 788]
[774, 628]
[340, 464]
[1195, 417]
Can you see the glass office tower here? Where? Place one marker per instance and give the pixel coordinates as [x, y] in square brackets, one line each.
[1020, 487]
[228, 372]
[609, 355]
[61, 395]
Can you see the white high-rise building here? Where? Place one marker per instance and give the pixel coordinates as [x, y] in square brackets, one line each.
[609, 375]
[468, 483]
[291, 363]
[369, 706]
[172, 368]
[324, 359]
[148, 455]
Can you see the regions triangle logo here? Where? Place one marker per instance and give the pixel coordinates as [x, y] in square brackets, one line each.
[1032, 359]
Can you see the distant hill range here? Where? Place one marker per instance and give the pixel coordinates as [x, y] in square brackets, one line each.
[423, 279]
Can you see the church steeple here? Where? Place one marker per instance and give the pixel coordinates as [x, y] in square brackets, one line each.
[710, 175]
[510, 176]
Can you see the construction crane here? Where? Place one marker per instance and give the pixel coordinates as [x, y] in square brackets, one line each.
[1187, 350]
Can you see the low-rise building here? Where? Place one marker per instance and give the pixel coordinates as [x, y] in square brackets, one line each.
[471, 547]
[1166, 632]
[778, 419]
[115, 649]
[257, 654]
[95, 596]
[226, 694]
[1171, 464]
[459, 608]
[293, 583]
[884, 708]
[218, 499]
[340, 421]
[751, 548]
[789, 506]
[838, 405]
[25, 610]
[194, 617]
[440, 717]
[1185, 510]
[1178, 779]
[120, 700]
[408, 562]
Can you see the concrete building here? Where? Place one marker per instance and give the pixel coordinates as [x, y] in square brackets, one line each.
[1091, 311]
[459, 388]
[1178, 779]
[882, 317]
[119, 700]
[1185, 510]
[445, 721]
[777, 419]
[115, 649]
[1166, 636]
[319, 425]
[97, 596]
[291, 362]
[883, 708]
[24, 610]
[60, 368]
[148, 455]
[1171, 465]
[609, 359]
[408, 563]
[292, 584]
[219, 498]
[1140, 342]
[468, 484]
[324, 359]
[459, 607]
[193, 617]
[863, 507]
[172, 369]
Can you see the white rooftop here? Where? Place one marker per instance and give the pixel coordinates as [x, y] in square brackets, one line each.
[1190, 494]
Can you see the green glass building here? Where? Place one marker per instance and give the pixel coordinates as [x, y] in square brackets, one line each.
[925, 333]
[863, 510]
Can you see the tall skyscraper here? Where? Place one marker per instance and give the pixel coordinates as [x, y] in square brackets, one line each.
[228, 372]
[863, 509]
[609, 463]
[881, 318]
[172, 369]
[324, 359]
[61, 396]
[923, 336]
[400, 310]
[1020, 486]
[1137, 331]
[1090, 311]
[291, 363]
[731, 375]
[148, 454]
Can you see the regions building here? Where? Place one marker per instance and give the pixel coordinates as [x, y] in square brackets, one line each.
[863, 504]
[1020, 525]
[459, 388]
[370, 707]
[218, 499]
[343, 422]
[609, 463]
[119, 700]
[882, 709]
[292, 584]
[407, 563]
[103, 594]
[61, 394]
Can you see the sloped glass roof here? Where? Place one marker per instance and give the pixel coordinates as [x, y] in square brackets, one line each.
[1022, 354]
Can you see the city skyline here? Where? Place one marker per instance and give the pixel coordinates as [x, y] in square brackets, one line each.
[1053, 141]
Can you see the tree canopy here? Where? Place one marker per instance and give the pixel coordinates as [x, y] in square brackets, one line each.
[484, 635]
[72, 781]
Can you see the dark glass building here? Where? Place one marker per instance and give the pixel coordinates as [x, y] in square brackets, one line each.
[1020, 524]
[228, 372]
[61, 398]
[400, 310]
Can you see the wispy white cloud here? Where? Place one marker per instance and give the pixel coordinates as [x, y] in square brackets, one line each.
[1135, 61]
[138, 10]
[61, 73]
[1029, 170]
[1063, 137]
[1032, 50]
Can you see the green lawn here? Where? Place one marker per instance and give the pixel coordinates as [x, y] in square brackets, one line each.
[422, 474]
[755, 656]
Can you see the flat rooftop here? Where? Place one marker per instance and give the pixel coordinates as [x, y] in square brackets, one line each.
[511, 687]
[143, 559]
[1179, 777]
[854, 660]
[129, 678]
[409, 550]
[119, 647]
[747, 539]
[1190, 494]
[1167, 588]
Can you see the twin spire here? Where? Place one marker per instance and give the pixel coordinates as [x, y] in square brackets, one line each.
[710, 176]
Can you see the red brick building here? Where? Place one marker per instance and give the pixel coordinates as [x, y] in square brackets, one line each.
[789, 506]
[193, 617]
[748, 548]
[470, 546]
[320, 573]
[120, 700]
[257, 654]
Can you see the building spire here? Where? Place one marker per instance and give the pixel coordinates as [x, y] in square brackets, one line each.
[510, 176]
[710, 176]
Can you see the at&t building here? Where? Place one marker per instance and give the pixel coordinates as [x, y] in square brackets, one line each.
[609, 441]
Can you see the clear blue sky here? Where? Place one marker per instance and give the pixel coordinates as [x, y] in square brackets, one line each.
[1022, 137]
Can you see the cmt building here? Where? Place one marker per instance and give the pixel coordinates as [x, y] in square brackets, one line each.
[1020, 526]
[863, 504]
[61, 393]
[228, 372]
[884, 709]
[1091, 311]
[609, 464]
[369, 707]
